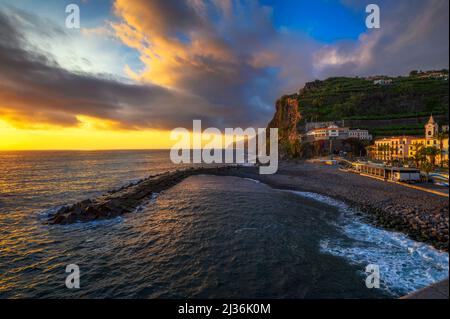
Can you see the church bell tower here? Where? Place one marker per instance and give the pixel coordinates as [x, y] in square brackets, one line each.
[431, 129]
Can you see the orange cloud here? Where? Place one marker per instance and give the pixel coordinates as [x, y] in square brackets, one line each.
[154, 29]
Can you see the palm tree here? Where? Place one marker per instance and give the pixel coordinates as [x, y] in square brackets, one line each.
[396, 162]
[431, 152]
[427, 167]
[418, 156]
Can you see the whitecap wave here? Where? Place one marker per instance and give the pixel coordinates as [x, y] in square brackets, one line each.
[405, 265]
[151, 200]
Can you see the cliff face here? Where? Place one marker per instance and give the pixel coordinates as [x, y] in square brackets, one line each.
[400, 108]
[286, 119]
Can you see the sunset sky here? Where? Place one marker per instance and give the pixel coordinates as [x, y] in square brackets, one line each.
[137, 69]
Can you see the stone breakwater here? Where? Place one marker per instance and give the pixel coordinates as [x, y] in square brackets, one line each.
[422, 216]
[128, 198]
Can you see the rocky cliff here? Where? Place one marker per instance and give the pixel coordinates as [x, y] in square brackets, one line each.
[399, 108]
[286, 119]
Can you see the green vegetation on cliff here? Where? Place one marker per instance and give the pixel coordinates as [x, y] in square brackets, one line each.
[360, 99]
[397, 106]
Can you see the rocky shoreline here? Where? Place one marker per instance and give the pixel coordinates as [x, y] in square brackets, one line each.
[422, 216]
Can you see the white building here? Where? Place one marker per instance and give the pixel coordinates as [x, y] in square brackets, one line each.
[382, 82]
[360, 134]
[336, 132]
[396, 174]
[326, 133]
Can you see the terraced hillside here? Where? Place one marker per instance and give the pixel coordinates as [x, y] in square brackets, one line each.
[401, 107]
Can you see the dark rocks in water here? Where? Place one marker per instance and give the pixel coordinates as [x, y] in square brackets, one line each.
[128, 198]
[423, 225]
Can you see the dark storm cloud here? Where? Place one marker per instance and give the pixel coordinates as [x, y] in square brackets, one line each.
[221, 61]
[414, 34]
[211, 52]
[34, 89]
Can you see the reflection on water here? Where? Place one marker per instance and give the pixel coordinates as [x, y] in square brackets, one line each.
[206, 237]
[37, 180]
[31, 182]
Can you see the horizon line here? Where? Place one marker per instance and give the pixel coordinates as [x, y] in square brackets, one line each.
[100, 150]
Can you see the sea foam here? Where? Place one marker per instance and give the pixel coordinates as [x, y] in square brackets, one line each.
[405, 265]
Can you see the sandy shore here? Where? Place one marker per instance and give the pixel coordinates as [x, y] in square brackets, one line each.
[423, 216]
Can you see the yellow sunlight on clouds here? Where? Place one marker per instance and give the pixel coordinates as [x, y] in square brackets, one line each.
[166, 59]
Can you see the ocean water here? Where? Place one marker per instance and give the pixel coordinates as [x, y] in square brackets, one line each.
[206, 237]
